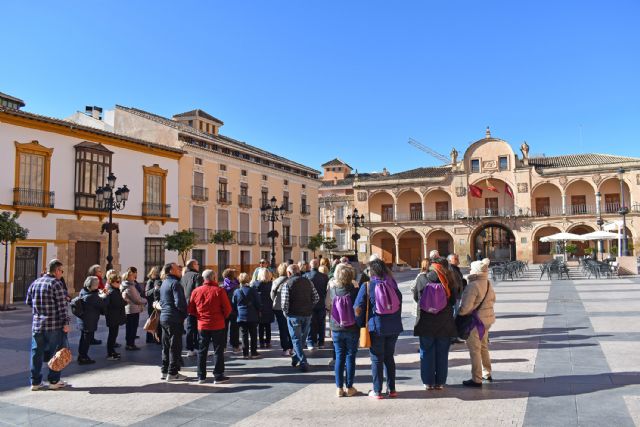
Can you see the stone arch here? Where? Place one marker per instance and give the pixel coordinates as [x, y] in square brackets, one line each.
[440, 239]
[383, 243]
[546, 199]
[381, 206]
[409, 205]
[410, 244]
[582, 228]
[580, 197]
[438, 204]
[541, 250]
[609, 189]
[491, 203]
[494, 241]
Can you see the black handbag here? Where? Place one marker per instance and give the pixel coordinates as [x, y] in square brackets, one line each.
[463, 323]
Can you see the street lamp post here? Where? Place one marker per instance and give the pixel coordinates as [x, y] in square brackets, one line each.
[109, 201]
[624, 251]
[355, 221]
[273, 213]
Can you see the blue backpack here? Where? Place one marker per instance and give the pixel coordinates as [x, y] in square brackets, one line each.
[342, 311]
[387, 301]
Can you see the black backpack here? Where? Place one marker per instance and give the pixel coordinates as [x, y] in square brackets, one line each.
[77, 307]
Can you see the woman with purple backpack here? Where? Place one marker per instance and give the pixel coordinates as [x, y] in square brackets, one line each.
[435, 324]
[380, 301]
[344, 329]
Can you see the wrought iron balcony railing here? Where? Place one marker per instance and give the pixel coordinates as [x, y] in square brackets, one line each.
[33, 198]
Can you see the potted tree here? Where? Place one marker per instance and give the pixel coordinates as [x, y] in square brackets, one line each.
[571, 249]
[181, 242]
[588, 252]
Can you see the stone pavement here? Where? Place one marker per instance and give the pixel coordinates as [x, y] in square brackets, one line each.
[564, 353]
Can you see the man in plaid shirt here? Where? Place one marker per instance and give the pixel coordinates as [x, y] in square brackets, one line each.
[48, 301]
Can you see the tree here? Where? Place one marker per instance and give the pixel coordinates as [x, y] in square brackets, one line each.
[315, 242]
[181, 242]
[329, 245]
[222, 237]
[10, 232]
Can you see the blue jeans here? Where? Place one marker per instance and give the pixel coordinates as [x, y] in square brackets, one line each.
[434, 360]
[345, 344]
[283, 328]
[318, 323]
[381, 351]
[43, 346]
[298, 330]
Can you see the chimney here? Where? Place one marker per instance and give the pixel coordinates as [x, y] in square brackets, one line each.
[95, 112]
[385, 172]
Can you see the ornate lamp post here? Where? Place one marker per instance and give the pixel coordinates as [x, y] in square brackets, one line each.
[623, 211]
[109, 201]
[355, 221]
[273, 213]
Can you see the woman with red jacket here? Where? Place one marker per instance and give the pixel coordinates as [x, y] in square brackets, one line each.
[210, 305]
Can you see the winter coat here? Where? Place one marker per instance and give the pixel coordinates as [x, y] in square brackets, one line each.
[93, 305]
[381, 324]
[320, 282]
[130, 294]
[459, 283]
[335, 291]
[191, 279]
[115, 312]
[246, 302]
[477, 286]
[152, 290]
[210, 305]
[437, 325]
[266, 303]
[276, 289]
[172, 301]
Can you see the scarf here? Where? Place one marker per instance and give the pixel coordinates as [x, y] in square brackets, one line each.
[230, 285]
[442, 275]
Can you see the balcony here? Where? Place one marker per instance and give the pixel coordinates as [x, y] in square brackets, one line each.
[611, 208]
[224, 197]
[200, 194]
[264, 239]
[26, 197]
[305, 209]
[387, 217]
[202, 234]
[245, 201]
[245, 238]
[288, 241]
[304, 241]
[581, 210]
[156, 210]
[288, 207]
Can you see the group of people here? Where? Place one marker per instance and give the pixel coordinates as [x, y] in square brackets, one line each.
[364, 306]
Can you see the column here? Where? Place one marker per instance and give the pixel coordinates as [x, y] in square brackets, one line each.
[564, 203]
[424, 211]
[397, 250]
[426, 254]
[395, 210]
[598, 207]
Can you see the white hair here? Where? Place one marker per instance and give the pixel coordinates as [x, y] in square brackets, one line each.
[434, 254]
[293, 269]
[208, 275]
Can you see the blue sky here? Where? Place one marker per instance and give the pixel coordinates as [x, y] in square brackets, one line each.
[354, 79]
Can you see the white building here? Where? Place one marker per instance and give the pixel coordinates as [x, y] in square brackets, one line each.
[50, 171]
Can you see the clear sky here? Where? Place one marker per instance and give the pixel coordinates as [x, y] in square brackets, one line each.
[354, 79]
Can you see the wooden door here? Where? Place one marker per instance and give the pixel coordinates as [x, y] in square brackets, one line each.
[87, 254]
[442, 210]
[491, 206]
[245, 260]
[543, 206]
[26, 271]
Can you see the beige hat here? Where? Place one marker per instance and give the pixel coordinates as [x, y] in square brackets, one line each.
[480, 266]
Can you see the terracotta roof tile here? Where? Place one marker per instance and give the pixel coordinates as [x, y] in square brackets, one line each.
[575, 160]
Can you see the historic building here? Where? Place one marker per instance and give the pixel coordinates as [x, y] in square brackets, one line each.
[51, 169]
[488, 202]
[223, 183]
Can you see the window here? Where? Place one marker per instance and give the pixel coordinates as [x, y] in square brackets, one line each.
[491, 206]
[442, 210]
[223, 167]
[93, 165]
[387, 212]
[475, 165]
[503, 163]
[191, 123]
[198, 161]
[543, 206]
[244, 190]
[154, 197]
[201, 126]
[153, 253]
[264, 196]
[33, 164]
[339, 214]
[612, 203]
[578, 205]
[286, 182]
[199, 254]
[223, 195]
[264, 177]
[243, 172]
[415, 211]
[304, 186]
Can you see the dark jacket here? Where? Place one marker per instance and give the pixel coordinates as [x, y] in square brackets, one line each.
[320, 282]
[246, 302]
[191, 279]
[438, 325]
[335, 291]
[152, 290]
[299, 297]
[381, 324]
[172, 301]
[93, 306]
[459, 282]
[115, 313]
[266, 303]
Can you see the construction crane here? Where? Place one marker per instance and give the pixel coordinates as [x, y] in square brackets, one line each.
[429, 151]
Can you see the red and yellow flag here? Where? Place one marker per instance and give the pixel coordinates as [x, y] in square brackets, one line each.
[490, 187]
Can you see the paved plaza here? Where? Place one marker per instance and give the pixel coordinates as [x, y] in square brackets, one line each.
[564, 353]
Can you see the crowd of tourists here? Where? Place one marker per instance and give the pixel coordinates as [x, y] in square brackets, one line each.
[363, 304]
